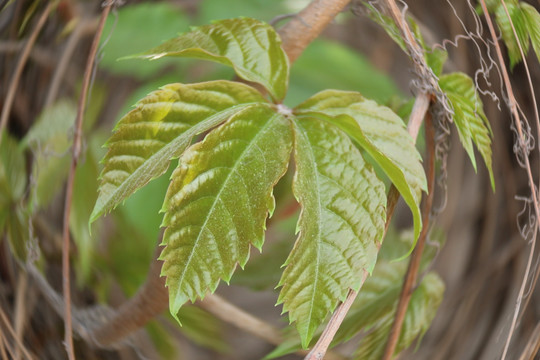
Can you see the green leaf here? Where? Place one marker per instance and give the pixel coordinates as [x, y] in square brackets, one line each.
[203, 328]
[518, 18]
[159, 129]
[250, 46]
[50, 140]
[382, 134]
[423, 306]
[469, 117]
[341, 224]
[84, 196]
[379, 294]
[18, 231]
[532, 18]
[12, 169]
[218, 201]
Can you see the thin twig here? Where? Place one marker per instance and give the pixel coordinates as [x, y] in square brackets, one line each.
[14, 83]
[409, 282]
[533, 345]
[71, 179]
[8, 326]
[84, 27]
[521, 143]
[231, 314]
[420, 108]
[20, 309]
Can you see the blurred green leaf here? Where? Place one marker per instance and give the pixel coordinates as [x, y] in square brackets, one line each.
[423, 305]
[533, 26]
[50, 140]
[211, 10]
[326, 64]
[84, 196]
[518, 19]
[202, 328]
[138, 28]
[469, 117]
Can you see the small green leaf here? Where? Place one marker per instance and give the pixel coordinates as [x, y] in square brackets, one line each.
[382, 134]
[250, 46]
[12, 169]
[159, 129]
[532, 18]
[518, 18]
[341, 224]
[18, 231]
[469, 117]
[218, 201]
[423, 306]
[50, 140]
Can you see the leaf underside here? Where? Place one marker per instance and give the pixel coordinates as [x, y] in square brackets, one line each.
[250, 46]
[382, 134]
[341, 224]
[218, 201]
[469, 117]
[159, 129]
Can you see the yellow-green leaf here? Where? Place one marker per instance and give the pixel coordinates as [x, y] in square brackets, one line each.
[533, 25]
[219, 199]
[250, 46]
[159, 129]
[382, 134]
[469, 117]
[518, 19]
[341, 224]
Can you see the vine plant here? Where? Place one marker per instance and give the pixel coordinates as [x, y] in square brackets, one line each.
[234, 140]
[220, 194]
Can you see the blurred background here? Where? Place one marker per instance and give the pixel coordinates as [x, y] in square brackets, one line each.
[487, 234]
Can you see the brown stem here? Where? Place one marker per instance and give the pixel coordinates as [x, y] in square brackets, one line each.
[70, 181]
[14, 83]
[414, 265]
[151, 300]
[303, 28]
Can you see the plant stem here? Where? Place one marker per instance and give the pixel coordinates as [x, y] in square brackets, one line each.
[70, 181]
[414, 264]
[14, 83]
[303, 28]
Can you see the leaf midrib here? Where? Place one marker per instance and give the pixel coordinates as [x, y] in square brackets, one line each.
[216, 198]
[153, 160]
[319, 225]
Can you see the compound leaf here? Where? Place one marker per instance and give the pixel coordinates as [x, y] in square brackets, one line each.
[250, 46]
[159, 129]
[469, 117]
[341, 224]
[518, 19]
[218, 201]
[382, 134]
